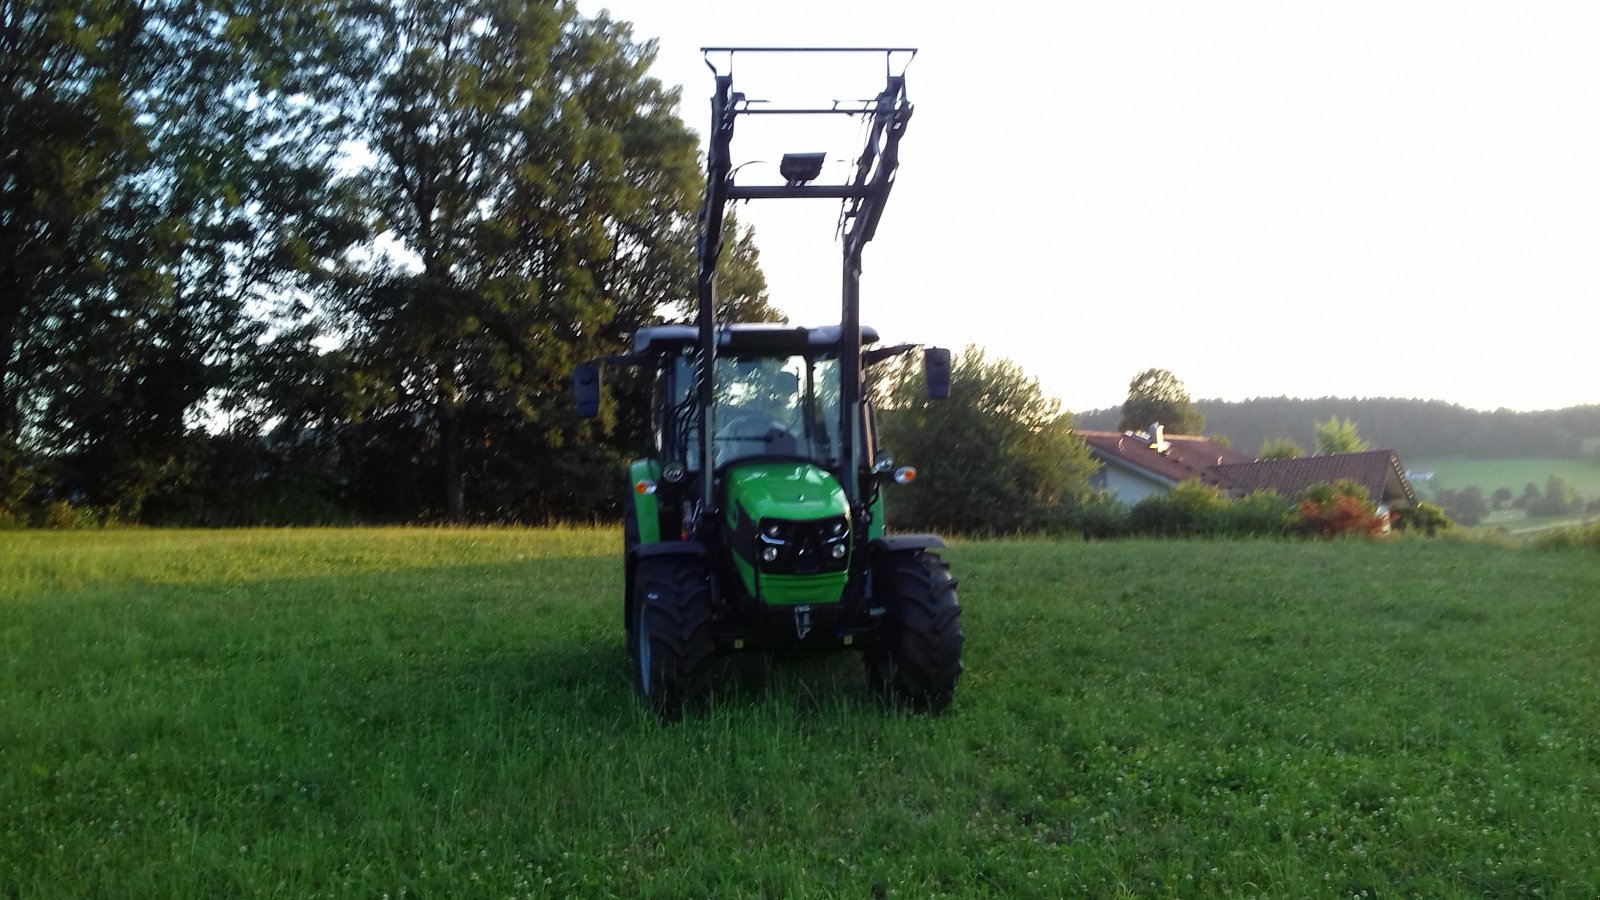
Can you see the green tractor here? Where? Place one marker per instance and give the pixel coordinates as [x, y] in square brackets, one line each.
[755, 520]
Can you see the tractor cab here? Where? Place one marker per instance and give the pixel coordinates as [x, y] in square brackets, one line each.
[777, 394]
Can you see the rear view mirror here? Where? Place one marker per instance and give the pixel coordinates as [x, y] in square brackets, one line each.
[936, 365]
[586, 389]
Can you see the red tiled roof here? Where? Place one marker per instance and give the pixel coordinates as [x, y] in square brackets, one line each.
[1186, 456]
[1192, 456]
[1377, 470]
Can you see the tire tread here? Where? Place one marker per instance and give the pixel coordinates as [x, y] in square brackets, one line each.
[919, 660]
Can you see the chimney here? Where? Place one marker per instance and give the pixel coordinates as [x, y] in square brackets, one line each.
[1160, 444]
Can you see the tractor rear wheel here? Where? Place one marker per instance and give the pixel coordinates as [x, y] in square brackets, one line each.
[917, 661]
[671, 641]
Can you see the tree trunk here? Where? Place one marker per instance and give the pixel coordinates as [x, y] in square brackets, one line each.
[455, 491]
[10, 314]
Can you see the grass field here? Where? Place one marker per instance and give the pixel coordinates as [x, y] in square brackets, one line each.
[414, 713]
[1512, 474]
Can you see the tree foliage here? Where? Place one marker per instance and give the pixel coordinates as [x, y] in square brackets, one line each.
[1156, 396]
[1339, 436]
[996, 456]
[169, 185]
[1280, 448]
[741, 285]
[1560, 498]
[67, 139]
[1466, 506]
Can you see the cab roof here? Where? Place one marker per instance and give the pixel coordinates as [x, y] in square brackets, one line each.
[756, 338]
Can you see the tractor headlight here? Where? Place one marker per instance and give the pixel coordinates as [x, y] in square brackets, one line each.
[773, 530]
[838, 551]
[838, 528]
[768, 554]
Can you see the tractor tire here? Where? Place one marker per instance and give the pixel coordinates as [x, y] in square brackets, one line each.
[917, 660]
[671, 642]
[630, 540]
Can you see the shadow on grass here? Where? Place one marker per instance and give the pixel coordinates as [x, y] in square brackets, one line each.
[810, 682]
[586, 689]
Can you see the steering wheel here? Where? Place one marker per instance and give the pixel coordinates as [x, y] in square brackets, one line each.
[753, 427]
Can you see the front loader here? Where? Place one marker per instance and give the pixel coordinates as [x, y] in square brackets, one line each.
[755, 518]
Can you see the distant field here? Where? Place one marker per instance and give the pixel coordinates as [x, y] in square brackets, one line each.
[1513, 474]
[1518, 525]
[417, 713]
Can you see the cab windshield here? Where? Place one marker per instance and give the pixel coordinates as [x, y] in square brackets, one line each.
[780, 406]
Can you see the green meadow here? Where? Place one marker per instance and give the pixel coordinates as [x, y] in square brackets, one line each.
[1511, 474]
[447, 713]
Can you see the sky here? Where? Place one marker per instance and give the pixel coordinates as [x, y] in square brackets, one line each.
[1352, 198]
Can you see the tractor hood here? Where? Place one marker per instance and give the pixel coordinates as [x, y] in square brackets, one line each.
[784, 490]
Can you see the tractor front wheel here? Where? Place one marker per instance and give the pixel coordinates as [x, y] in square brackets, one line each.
[671, 641]
[917, 660]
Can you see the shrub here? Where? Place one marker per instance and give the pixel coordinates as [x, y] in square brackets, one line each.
[63, 515]
[1261, 514]
[1200, 509]
[18, 480]
[1098, 518]
[1575, 537]
[1425, 519]
[1158, 515]
[1194, 509]
[1330, 510]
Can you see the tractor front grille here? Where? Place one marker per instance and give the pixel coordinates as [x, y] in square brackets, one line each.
[802, 547]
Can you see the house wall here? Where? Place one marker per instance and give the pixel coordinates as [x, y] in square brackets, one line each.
[1129, 487]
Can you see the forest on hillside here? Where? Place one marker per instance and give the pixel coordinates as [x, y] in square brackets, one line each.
[1412, 428]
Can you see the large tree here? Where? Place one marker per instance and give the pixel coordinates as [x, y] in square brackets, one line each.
[997, 455]
[1156, 396]
[67, 136]
[540, 190]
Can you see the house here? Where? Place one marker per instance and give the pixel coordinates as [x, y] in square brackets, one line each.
[1134, 465]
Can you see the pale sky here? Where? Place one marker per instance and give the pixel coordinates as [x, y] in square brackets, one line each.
[1357, 199]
